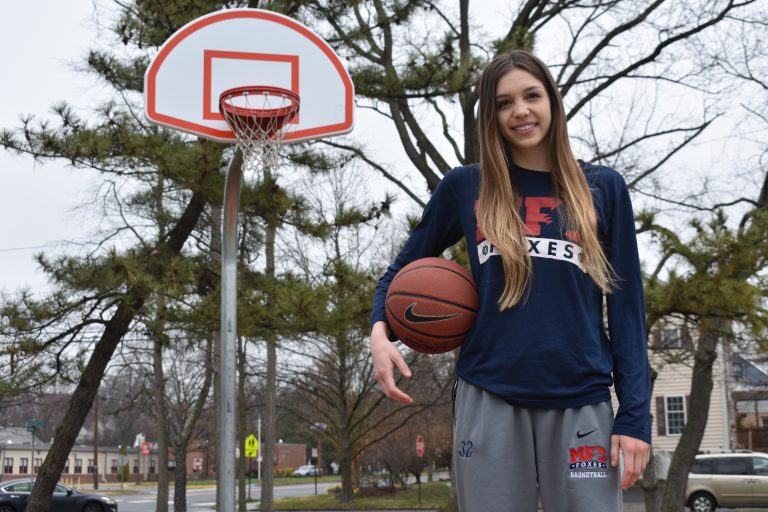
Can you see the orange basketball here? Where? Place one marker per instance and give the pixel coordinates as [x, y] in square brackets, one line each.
[431, 305]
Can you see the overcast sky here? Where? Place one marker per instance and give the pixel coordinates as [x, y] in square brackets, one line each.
[43, 41]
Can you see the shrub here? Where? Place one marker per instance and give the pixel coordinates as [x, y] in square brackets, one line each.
[285, 472]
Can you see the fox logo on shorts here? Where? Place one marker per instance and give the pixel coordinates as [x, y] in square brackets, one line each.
[593, 459]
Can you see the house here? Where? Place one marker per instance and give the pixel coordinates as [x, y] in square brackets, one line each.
[738, 407]
[671, 357]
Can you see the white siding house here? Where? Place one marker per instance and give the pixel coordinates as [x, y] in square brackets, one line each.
[670, 401]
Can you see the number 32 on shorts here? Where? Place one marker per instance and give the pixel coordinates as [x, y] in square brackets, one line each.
[465, 449]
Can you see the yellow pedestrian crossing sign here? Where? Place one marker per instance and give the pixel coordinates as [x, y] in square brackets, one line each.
[251, 446]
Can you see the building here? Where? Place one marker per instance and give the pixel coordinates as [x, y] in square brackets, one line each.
[21, 459]
[16, 452]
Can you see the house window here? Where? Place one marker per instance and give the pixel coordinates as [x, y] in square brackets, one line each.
[152, 466]
[113, 466]
[172, 465]
[764, 422]
[90, 466]
[135, 466]
[675, 414]
[23, 465]
[66, 466]
[670, 337]
[38, 463]
[78, 465]
[737, 370]
[8, 465]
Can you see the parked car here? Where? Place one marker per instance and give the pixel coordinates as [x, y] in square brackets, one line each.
[736, 479]
[14, 495]
[305, 470]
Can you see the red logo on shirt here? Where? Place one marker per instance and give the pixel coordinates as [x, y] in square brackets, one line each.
[535, 212]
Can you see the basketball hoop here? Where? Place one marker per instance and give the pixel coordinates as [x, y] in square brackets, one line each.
[259, 116]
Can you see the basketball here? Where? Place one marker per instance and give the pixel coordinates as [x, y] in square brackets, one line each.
[431, 305]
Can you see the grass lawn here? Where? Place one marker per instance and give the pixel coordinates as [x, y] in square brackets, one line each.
[434, 495]
[287, 480]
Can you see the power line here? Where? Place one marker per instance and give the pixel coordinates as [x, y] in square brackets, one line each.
[9, 249]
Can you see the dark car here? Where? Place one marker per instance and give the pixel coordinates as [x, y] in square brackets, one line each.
[14, 495]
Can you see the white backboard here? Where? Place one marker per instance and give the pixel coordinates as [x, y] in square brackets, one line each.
[246, 47]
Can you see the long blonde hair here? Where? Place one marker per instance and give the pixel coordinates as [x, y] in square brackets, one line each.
[497, 211]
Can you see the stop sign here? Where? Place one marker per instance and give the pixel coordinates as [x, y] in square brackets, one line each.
[420, 445]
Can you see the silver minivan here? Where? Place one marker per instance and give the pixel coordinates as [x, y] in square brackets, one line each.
[737, 479]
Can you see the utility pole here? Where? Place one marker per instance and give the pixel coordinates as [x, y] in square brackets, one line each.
[258, 455]
[2, 459]
[96, 442]
[33, 426]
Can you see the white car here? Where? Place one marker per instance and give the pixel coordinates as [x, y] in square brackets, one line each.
[305, 470]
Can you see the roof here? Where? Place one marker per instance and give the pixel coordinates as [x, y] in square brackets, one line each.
[739, 453]
[19, 436]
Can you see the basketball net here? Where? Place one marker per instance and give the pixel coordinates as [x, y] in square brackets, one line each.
[260, 118]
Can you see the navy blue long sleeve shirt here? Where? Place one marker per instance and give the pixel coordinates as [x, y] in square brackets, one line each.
[550, 350]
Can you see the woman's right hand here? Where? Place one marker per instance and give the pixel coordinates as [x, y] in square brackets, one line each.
[386, 357]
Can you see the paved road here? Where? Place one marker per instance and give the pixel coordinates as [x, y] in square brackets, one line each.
[199, 499]
[204, 499]
[633, 502]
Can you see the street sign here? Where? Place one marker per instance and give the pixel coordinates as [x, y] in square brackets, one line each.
[251, 446]
[34, 425]
[145, 448]
[420, 445]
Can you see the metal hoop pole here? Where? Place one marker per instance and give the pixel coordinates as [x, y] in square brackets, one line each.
[227, 361]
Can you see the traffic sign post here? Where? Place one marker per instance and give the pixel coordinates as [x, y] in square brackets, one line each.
[251, 451]
[251, 446]
[419, 454]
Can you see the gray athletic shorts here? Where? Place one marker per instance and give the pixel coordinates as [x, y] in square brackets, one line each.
[506, 456]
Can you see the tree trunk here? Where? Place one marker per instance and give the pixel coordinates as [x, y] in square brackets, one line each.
[161, 504]
[693, 432]
[241, 424]
[268, 446]
[268, 463]
[157, 330]
[181, 443]
[467, 99]
[346, 472]
[652, 488]
[85, 392]
[180, 478]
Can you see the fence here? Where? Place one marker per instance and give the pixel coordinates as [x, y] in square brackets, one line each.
[752, 423]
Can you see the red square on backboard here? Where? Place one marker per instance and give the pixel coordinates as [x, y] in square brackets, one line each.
[288, 65]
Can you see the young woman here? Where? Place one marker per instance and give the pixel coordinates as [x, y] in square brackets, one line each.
[549, 238]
